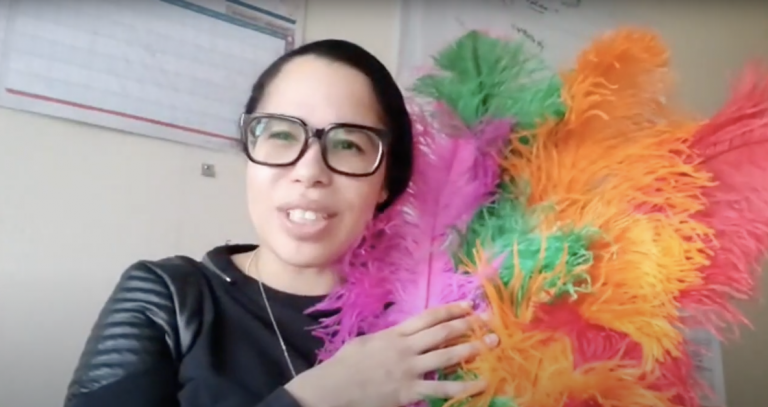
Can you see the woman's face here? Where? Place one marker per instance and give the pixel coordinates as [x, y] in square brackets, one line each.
[320, 92]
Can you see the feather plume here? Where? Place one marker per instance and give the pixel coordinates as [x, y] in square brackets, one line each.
[733, 146]
[603, 228]
[357, 304]
[638, 190]
[481, 77]
[455, 172]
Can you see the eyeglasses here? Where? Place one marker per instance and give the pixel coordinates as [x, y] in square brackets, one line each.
[280, 141]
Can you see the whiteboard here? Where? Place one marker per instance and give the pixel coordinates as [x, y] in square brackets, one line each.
[558, 28]
[179, 70]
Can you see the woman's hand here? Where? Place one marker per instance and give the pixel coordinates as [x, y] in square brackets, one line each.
[386, 369]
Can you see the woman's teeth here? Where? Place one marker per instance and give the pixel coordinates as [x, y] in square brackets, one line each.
[302, 216]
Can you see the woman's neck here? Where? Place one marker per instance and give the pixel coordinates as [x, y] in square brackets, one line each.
[268, 268]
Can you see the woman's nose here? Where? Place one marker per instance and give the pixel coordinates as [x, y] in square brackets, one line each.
[311, 169]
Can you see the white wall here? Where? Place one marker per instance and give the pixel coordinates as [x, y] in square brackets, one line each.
[80, 203]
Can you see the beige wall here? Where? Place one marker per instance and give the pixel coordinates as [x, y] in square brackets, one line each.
[79, 203]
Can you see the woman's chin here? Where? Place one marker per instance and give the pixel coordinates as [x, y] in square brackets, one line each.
[304, 254]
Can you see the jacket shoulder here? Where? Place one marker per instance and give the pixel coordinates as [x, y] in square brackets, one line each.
[149, 319]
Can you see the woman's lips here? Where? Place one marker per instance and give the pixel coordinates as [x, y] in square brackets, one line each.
[306, 224]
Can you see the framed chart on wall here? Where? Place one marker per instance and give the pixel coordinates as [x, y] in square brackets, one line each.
[178, 70]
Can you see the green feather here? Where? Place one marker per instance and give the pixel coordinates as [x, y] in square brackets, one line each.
[466, 376]
[481, 77]
[506, 223]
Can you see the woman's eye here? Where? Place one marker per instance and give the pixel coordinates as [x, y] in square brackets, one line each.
[282, 135]
[346, 145]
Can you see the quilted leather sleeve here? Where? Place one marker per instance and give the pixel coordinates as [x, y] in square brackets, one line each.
[136, 332]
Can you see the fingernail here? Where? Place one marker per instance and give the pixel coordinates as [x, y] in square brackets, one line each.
[486, 316]
[491, 339]
[465, 304]
[478, 385]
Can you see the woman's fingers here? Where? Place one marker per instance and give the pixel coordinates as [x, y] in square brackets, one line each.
[442, 358]
[438, 335]
[427, 389]
[433, 317]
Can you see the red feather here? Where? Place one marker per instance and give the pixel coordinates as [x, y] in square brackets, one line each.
[733, 146]
[594, 343]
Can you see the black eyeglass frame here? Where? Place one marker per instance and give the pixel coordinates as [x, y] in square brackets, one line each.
[246, 120]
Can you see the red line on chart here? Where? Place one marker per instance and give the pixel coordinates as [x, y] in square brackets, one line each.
[119, 114]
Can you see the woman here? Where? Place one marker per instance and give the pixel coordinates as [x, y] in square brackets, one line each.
[329, 144]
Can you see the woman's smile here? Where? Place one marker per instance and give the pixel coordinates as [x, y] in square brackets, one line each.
[306, 221]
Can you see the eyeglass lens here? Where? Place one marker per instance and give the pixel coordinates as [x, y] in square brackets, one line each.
[279, 141]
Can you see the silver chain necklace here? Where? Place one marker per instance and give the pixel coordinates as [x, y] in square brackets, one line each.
[271, 315]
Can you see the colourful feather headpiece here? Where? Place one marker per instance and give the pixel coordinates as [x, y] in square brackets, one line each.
[592, 218]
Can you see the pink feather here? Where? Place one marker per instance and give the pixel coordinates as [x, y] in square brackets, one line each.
[363, 296]
[401, 260]
[455, 173]
[734, 146]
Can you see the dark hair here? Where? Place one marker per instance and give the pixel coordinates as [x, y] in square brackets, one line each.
[388, 95]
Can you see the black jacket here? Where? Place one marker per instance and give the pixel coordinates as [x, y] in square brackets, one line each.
[177, 332]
